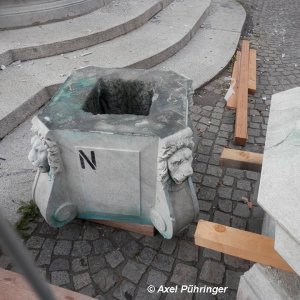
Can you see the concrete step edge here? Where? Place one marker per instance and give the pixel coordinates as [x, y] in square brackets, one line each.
[219, 43]
[40, 50]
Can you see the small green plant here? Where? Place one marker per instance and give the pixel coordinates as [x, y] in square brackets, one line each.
[28, 211]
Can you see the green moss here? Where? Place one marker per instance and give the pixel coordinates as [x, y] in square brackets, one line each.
[28, 212]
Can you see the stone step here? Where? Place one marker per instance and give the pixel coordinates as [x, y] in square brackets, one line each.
[24, 87]
[213, 46]
[116, 18]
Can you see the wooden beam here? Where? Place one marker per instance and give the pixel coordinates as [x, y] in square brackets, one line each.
[241, 121]
[247, 245]
[231, 158]
[14, 286]
[231, 102]
[144, 229]
[252, 72]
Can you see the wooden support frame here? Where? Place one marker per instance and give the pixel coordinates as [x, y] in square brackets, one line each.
[231, 102]
[14, 286]
[252, 72]
[247, 245]
[241, 121]
[144, 229]
[231, 158]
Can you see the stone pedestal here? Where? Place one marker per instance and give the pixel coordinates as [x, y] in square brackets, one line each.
[20, 13]
[279, 192]
[114, 144]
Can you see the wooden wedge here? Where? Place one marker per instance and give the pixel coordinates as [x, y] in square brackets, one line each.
[247, 245]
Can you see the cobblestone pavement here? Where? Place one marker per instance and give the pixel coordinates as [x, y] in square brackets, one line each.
[114, 264]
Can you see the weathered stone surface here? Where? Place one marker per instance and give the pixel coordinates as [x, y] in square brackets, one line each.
[81, 280]
[143, 294]
[59, 264]
[224, 192]
[235, 262]
[212, 272]
[35, 242]
[222, 218]
[168, 246]
[91, 232]
[119, 238]
[69, 232]
[96, 263]
[147, 255]
[46, 229]
[243, 185]
[156, 278]
[152, 242]
[215, 171]
[80, 264]
[184, 274]
[105, 279]
[88, 291]
[241, 210]
[163, 262]
[225, 205]
[102, 246]
[187, 251]
[211, 254]
[132, 249]
[124, 291]
[81, 248]
[210, 181]
[204, 205]
[63, 248]
[232, 279]
[238, 223]
[44, 258]
[133, 271]
[114, 258]
[60, 278]
[207, 193]
[228, 180]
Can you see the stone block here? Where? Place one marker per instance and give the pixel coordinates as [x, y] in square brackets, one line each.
[212, 272]
[106, 279]
[114, 258]
[163, 262]
[156, 278]
[184, 274]
[133, 271]
[100, 126]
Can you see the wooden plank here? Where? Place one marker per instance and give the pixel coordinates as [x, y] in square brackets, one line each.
[241, 120]
[231, 158]
[247, 245]
[14, 286]
[145, 229]
[252, 72]
[231, 102]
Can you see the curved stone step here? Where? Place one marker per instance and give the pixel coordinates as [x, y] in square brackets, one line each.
[213, 46]
[16, 13]
[116, 18]
[160, 38]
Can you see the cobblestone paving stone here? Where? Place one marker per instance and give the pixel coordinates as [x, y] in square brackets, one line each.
[108, 263]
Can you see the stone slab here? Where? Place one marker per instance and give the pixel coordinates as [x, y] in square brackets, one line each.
[114, 19]
[267, 283]
[164, 35]
[280, 176]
